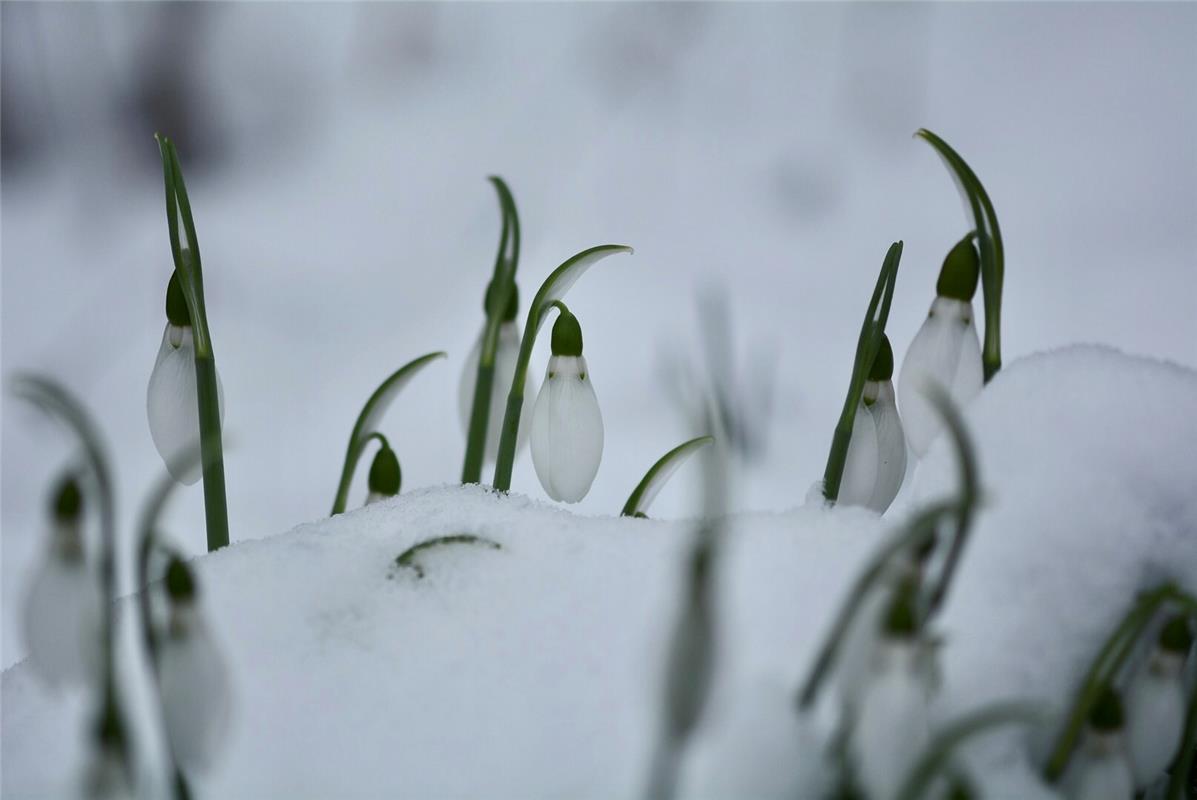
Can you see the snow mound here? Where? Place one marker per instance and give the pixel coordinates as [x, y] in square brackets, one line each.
[536, 670]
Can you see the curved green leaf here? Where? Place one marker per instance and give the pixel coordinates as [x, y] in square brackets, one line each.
[989, 240]
[659, 473]
[407, 559]
[554, 288]
[368, 420]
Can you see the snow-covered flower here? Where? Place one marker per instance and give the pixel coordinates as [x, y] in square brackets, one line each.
[63, 622]
[1103, 770]
[946, 349]
[193, 678]
[567, 427]
[171, 397]
[892, 728]
[507, 354]
[876, 462]
[385, 476]
[1155, 704]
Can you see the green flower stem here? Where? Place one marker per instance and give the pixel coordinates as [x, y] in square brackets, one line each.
[659, 473]
[503, 281]
[989, 241]
[189, 267]
[866, 350]
[938, 754]
[554, 288]
[1104, 668]
[1183, 766]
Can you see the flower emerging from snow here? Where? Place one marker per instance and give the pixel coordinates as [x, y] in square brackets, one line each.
[567, 427]
[506, 356]
[946, 349]
[385, 476]
[1103, 769]
[876, 460]
[1155, 704]
[171, 398]
[63, 623]
[193, 679]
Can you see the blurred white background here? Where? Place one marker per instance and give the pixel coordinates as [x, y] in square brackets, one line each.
[336, 158]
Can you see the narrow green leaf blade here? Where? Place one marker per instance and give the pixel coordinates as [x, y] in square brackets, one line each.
[660, 473]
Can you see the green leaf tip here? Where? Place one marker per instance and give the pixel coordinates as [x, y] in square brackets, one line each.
[385, 476]
[883, 362]
[567, 334]
[180, 585]
[1106, 715]
[658, 474]
[960, 272]
[1176, 636]
[176, 303]
[68, 500]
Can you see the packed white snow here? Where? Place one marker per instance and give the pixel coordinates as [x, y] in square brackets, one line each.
[536, 670]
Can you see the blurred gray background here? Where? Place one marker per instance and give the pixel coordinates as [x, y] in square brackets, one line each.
[336, 158]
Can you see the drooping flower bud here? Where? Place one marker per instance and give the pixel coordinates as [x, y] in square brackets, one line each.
[107, 774]
[172, 404]
[385, 475]
[567, 426]
[193, 678]
[1155, 703]
[1103, 769]
[946, 350]
[876, 462]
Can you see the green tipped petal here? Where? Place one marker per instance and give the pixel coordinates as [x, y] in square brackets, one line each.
[180, 585]
[1176, 637]
[883, 363]
[1106, 715]
[68, 500]
[567, 335]
[960, 272]
[385, 476]
[176, 303]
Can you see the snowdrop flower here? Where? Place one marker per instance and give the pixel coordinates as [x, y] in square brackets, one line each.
[876, 460]
[193, 679]
[1155, 705]
[506, 355]
[567, 427]
[385, 476]
[946, 349]
[63, 623]
[107, 775]
[892, 729]
[171, 399]
[1103, 771]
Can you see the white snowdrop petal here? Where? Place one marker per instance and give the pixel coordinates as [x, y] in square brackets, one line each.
[172, 405]
[506, 357]
[860, 466]
[891, 449]
[1102, 777]
[567, 430]
[63, 622]
[196, 696]
[945, 351]
[892, 729]
[1155, 721]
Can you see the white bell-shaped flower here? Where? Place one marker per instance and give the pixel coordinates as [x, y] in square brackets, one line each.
[945, 351]
[1103, 770]
[1155, 703]
[63, 616]
[172, 404]
[567, 426]
[892, 726]
[507, 354]
[876, 462]
[192, 678]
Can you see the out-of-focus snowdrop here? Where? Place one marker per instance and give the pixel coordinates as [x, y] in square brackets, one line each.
[945, 350]
[1103, 771]
[567, 426]
[1155, 704]
[876, 462]
[193, 678]
[63, 610]
[892, 728]
[385, 476]
[107, 774]
[506, 357]
[171, 397]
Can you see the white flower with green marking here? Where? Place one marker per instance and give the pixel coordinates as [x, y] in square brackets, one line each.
[506, 357]
[567, 426]
[1103, 770]
[876, 461]
[945, 351]
[171, 398]
[1155, 704]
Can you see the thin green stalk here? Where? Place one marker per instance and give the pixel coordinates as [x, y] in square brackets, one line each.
[867, 345]
[503, 281]
[659, 473]
[554, 288]
[407, 559]
[215, 507]
[1183, 767]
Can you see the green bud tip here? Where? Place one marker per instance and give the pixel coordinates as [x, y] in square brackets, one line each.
[513, 301]
[901, 622]
[567, 335]
[883, 363]
[1106, 715]
[385, 476]
[180, 585]
[1176, 637]
[961, 268]
[176, 304]
[68, 500]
